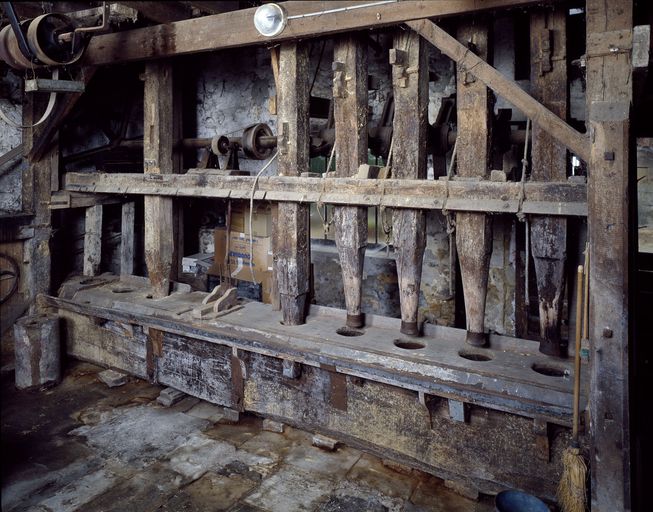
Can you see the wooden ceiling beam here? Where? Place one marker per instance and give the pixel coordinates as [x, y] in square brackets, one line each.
[236, 28]
[161, 12]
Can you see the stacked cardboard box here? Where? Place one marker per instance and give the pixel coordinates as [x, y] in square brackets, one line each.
[245, 263]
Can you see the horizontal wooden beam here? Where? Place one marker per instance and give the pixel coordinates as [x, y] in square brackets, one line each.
[559, 198]
[236, 28]
[64, 199]
[507, 89]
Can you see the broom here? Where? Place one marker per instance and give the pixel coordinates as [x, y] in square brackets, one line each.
[571, 490]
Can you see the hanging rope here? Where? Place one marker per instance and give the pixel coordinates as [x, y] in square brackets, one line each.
[319, 205]
[451, 224]
[450, 219]
[524, 166]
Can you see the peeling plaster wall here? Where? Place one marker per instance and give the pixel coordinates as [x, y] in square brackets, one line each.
[233, 91]
[10, 137]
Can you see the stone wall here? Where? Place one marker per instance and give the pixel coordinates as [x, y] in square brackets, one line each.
[11, 98]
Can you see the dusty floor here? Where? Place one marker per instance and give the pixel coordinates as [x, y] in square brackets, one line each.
[82, 446]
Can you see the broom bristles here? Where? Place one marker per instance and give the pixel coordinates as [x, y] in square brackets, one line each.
[571, 490]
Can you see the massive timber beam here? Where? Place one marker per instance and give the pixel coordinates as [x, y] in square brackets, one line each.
[545, 198]
[236, 28]
[558, 129]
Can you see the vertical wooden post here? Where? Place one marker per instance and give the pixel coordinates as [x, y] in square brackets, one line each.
[36, 187]
[127, 238]
[157, 154]
[292, 258]
[410, 83]
[474, 230]
[609, 97]
[549, 163]
[93, 240]
[350, 113]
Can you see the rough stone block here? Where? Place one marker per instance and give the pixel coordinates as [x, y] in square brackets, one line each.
[273, 426]
[498, 176]
[397, 466]
[206, 411]
[170, 396]
[37, 351]
[463, 488]
[230, 415]
[112, 378]
[324, 442]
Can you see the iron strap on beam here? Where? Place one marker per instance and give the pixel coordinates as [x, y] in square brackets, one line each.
[542, 198]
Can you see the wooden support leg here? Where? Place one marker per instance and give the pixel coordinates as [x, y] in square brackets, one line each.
[93, 240]
[292, 263]
[350, 112]
[609, 96]
[410, 82]
[159, 243]
[292, 258]
[409, 239]
[127, 239]
[549, 163]
[474, 230]
[157, 147]
[548, 247]
[474, 245]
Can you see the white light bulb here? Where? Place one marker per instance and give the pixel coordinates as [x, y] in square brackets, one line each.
[270, 20]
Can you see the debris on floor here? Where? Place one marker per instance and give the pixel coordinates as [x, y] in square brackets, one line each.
[86, 447]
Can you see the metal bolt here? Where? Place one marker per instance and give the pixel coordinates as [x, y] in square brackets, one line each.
[607, 332]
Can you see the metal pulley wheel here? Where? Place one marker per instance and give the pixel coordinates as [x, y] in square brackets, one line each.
[251, 146]
[9, 49]
[43, 39]
[220, 145]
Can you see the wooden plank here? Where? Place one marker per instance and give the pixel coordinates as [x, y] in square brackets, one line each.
[548, 235]
[350, 114]
[93, 240]
[554, 198]
[158, 159]
[410, 84]
[609, 96]
[198, 360]
[474, 230]
[292, 261]
[237, 28]
[127, 226]
[509, 90]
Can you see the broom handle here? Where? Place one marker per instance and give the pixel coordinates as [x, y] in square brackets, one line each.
[579, 312]
[586, 292]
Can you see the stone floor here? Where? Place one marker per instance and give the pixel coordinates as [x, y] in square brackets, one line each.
[82, 446]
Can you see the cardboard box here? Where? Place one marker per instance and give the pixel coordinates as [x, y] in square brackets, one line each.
[237, 267]
[261, 220]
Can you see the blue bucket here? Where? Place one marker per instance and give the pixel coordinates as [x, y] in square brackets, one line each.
[518, 501]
